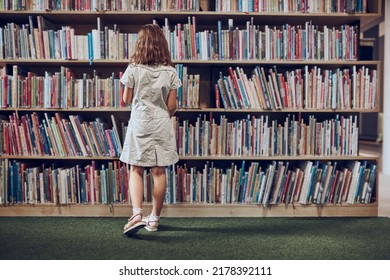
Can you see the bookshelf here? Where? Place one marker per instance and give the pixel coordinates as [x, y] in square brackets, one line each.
[209, 71]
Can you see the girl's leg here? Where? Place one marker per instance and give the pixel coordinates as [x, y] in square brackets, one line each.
[136, 194]
[136, 186]
[159, 187]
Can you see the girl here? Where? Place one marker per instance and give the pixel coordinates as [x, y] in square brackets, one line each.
[150, 87]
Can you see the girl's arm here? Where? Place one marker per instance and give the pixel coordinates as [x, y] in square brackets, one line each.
[128, 95]
[171, 101]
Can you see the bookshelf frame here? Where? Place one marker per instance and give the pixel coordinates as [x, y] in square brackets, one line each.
[204, 18]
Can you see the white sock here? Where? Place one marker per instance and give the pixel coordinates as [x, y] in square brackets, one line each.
[137, 210]
[153, 218]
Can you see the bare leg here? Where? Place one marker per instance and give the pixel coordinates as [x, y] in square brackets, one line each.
[159, 187]
[136, 193]
[136, 186]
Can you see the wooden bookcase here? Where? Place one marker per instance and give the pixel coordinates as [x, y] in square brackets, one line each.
[84, 21]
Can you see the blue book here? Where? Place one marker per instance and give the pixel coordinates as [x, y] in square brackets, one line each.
[312, 181]
[197, 46]
[45, 140]
[18, 180]
[248, 124]
[242, 90]
[241, 178]
[52, 43]
[179, 69]
[90, 47]
[221, 95]
[115, 143]
[259, 191]
[244, 187]
[360, 181]
[229, 92]
[11, 184]
[220, 54]
[194, 190]
[83, 188]
[371, 184]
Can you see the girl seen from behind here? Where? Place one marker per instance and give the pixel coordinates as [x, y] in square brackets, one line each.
[151, 84]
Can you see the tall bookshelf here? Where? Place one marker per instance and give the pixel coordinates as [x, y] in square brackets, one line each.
[210, 71]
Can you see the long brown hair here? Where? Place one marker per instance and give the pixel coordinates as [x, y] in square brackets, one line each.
[151, 47]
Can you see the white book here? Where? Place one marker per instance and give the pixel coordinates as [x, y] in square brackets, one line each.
[96, 44]
[354, 182]
[306, 182]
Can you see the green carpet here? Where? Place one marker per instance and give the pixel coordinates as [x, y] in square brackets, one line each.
[196, 238]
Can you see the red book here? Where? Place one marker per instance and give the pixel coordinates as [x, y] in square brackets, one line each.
[5, 99]
[40, 37]
[53, 93]
[88, 183]
[179, 41]
[37, 134]
[234, 78]
[334, 183]
[59, 123]
[193, 42]
[17, 139]
[27, 135]
[110, 144]
[217, 97]
[68, 42]
[286, 182]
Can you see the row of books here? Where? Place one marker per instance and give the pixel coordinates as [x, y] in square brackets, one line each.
[267, 184]
[292, 6]
[42, 40]
[301, 42]
[188, 93]
[261, 136]
[92, 183]
[308, 88]
[100, 5]
[35, 135]
[288, 42]
[59, 90]
[273, 183]
[285, 6]
[63, 89]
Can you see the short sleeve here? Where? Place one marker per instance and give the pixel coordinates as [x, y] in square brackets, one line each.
[175, 82]
[128, 77]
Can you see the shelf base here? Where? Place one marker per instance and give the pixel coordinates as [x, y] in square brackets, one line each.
[194, 210]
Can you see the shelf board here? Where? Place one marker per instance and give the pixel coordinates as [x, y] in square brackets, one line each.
[201, 158]
[277, 158]
[195, 210]
[124, 62]
[221, 110]
[194, 110]
[62, 110]
[202, 17]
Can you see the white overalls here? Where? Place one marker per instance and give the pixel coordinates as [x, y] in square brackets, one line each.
[150, 138]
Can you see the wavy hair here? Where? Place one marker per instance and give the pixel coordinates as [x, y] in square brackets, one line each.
[151, 47]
